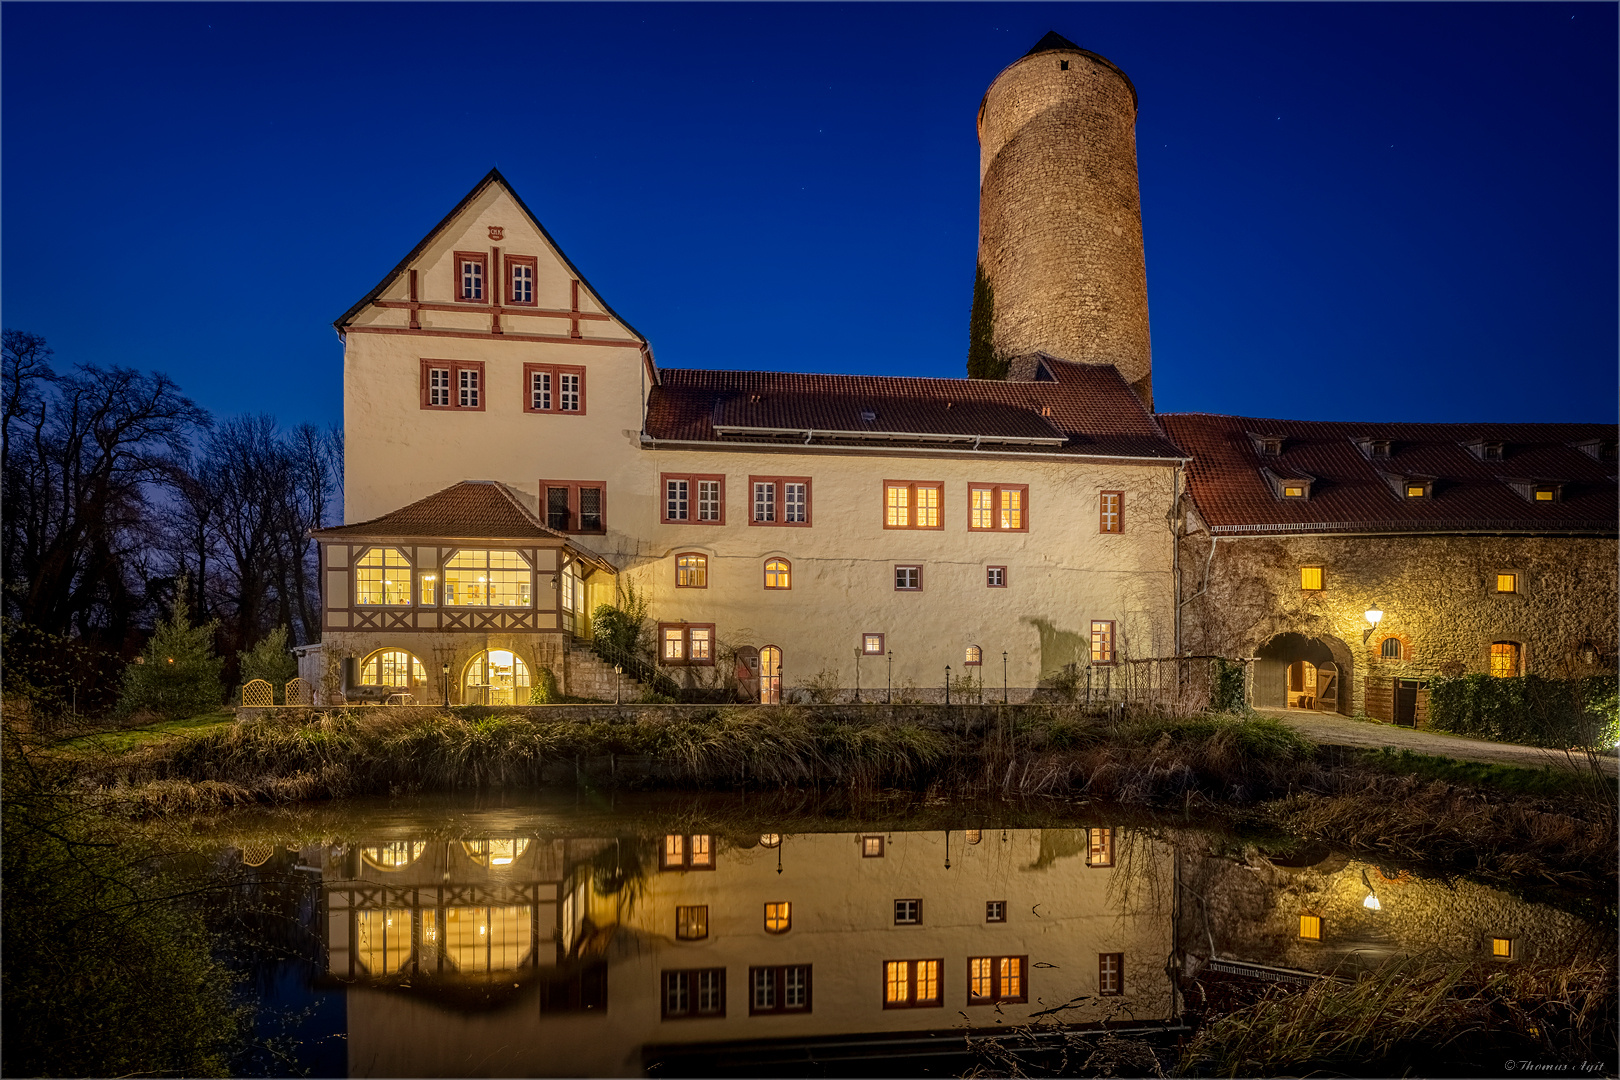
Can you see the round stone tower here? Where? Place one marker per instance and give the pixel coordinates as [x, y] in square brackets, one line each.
[1060, 215]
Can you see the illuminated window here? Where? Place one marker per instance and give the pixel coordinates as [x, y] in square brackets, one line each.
[686, 644]
[1310, 927]
[975, 656]
[780, 500]
[383, 577]
[907, 912]
[682, 852]
[872, 644]
[778, 917]
[770, 839]
[995, 911]
[1100, 851]
[495, 853]
[998, 507]
[483, 939]
[1310, 577]
[1417, 491]
[692, 923]
[779, 989]
[778, 574]
[911, 984]
[498, 677]
[692, 994]
[1546, 494]
[995, 577]
[1507, 582]
[383, 943]
[1102, 641]
[691, 571]
[1293, 491]
[395, 855]
[488, 579]
[1111, 512]
[694, 499]
[973, 836]
[1501, 948]
[471, 269]
[429, 590]
[393, 667]
[1110, 973]
[871, 847]
[908, 579]
[1390, 649]
[1506, 659]
[912, 505]
[996, 978]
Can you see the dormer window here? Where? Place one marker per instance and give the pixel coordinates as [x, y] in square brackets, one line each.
[1295, 491]
[472, 271]
[1417, 491]
[1373, 449]
[1547, 492]
[1484, 450]
[1289, 487]
[1410, 487]
[1539, 491]
[1267, 445]
[1598, 449]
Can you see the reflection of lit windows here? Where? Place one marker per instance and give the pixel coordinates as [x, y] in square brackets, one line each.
[871, 847]
[686, 852]
[910, 984]
[689, 994]
[395, 855]
[1310, 927]
[975, 835]
[996, 978]
[382, 576]
[995, 911]
[770, 839]
[1501, 948]
[495, 853]
[778, 917]
[384, 939]
[392, 667]
[779, 989]
[1100, 850]
[692, 923]
[907, 912]
[484, 939]
[1110, 973]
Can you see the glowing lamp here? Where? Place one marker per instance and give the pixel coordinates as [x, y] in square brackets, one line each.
[1374, 615]
[1371, 903]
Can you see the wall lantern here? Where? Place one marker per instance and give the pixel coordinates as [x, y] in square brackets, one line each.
[1374, 616]
[1371, 903]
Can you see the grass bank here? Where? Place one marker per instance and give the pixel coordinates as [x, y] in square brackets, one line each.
[1558, 828]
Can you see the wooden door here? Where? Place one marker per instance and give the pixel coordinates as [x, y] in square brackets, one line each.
[1406, 691]
[748, 673]
[1327, 688]
[770, 675]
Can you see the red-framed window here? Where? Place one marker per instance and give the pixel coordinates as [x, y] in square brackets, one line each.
[1110, 973]
[784, 989]
[686, 644]
[995, 577]
[554, 388]
[913, 984]
[693, 498]
[871, 644]
[997, 978]
[998, 507]
[913, 504]
[1102, 641]
[778, 574]
[471, 285]
[521, 271]
[453, 384]
[694, 993]
[679, 851]
[779, 500]
[691, 570]
[908, 578]
[1111, 512]
[574, 506]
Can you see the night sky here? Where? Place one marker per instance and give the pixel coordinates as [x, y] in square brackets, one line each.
[1359, 212]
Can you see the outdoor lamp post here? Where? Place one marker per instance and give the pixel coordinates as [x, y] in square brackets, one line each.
[890, 700]
[857, 674]
[1004, 676]
[947, 684]
[618, 684]
[444, 672]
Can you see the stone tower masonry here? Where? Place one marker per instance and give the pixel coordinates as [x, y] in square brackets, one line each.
[1060, 215]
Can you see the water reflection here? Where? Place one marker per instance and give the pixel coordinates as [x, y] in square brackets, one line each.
[534, 952]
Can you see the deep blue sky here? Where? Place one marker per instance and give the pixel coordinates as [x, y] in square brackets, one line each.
[1366, 211]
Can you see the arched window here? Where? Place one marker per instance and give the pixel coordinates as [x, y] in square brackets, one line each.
[1506, 659]
[691, 571]
[383, 577]
[487, 579]
[497, 677]
[494, 853]
[778, 574]
[975, 656]
[394, 855]
[393, 667]
[1390, 649]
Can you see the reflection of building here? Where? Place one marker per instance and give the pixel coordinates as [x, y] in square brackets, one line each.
[526, 956]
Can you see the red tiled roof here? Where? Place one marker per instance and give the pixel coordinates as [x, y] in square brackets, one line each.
[1351, 493]
[1092, 412]
[472, 508]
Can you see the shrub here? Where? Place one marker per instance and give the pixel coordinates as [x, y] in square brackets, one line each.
[178, 674]
[269, 660]
[544, 691]
[1561, 714]
[1227, 691]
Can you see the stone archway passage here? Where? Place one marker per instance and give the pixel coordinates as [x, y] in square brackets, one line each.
[1327, 657]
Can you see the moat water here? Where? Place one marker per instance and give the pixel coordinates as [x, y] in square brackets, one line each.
[723, 935]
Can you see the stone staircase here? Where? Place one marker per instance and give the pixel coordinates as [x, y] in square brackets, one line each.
[590, 677]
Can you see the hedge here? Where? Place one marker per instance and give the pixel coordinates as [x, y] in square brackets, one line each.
[1563, 714]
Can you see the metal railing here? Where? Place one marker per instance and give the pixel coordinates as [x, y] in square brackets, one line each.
[637, 668]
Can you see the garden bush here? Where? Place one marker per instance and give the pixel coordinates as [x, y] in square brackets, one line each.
[1561, 714]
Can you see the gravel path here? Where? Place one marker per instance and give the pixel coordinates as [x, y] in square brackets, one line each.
[1342, 731]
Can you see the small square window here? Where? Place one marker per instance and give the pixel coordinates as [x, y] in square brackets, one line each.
[1501, 948]
[907, 912]
[691, 571]
[1416, 491]
[692, 923]
[1310, 578]
[1310, 927]
[872, 644]
[1546, 494]
[778, 917]
[871, 847]
[995, 911]
[908, 578]
[995, 577]
[1063, 65]
[1507, 582]
[1293, 491]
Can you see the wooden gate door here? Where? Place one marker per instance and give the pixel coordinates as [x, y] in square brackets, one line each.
[770, 675]
[1406, 691]
[748, 673]
[1327, 688]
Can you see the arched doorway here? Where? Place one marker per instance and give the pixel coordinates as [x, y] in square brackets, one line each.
[1296, 671]
[496, 677]
[770, 675]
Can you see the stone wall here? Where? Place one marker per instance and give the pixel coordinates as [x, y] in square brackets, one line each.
[1438, 595]
[1060, 215]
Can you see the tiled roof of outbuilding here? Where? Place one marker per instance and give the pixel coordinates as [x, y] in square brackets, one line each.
[1092, 412]
[1351, 493]
[472, 508]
